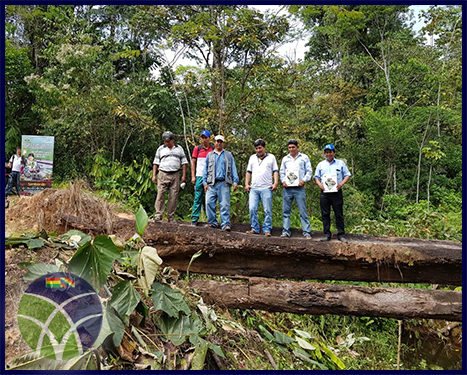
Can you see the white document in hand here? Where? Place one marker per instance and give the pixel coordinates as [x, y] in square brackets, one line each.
[329, 181]
[291, 174]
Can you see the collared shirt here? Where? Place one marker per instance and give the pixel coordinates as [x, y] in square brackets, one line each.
[170, 160]
[262, 170]
[200, 157]
[220, 169]
[301, 163]
[16, 162]
[337, 166]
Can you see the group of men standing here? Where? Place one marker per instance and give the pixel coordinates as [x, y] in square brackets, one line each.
[214, 173]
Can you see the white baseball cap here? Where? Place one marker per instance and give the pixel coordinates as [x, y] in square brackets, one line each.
[219, 138]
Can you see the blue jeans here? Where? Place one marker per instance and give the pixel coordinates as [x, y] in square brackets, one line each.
[13, 180]
[265, 195]
[220, 191]
[288, 195]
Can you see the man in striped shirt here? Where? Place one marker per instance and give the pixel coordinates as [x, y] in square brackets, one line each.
[168, 161]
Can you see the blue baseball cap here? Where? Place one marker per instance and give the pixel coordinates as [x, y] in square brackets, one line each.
[329, 146]
[206, 133]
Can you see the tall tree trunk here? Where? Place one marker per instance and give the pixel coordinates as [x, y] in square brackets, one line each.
[420, 152]
[428, 188]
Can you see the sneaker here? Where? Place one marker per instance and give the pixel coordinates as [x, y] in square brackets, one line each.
[251, 231]
[267, 234]
[226, 228]
[194, 223]
[285, 235]
[342, 238]
[325, 238]
[213, 226]
[307, 236]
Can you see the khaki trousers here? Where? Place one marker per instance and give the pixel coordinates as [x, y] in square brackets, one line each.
[167, 182]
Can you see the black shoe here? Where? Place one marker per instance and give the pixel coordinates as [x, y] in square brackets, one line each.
[325, 238]
[226, 228]
[213, 226]
[194, 223]
[342, 238]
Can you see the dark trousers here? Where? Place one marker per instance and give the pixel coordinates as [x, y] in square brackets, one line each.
[13, 180]
[337, 202]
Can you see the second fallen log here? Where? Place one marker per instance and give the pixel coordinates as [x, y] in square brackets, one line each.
[318, 299]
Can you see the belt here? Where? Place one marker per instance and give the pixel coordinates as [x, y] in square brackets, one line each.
[219, 180]
[168, 172]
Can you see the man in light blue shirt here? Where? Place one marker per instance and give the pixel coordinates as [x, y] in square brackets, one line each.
[294, 172]
[219, 174]
[330, 175]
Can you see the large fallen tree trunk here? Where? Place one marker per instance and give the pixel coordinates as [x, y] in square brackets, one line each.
[364, 258]
[318, 299]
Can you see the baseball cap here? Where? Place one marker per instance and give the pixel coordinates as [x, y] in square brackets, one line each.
[329, 146]
[168, 135]
[206, 133]
[219, 138]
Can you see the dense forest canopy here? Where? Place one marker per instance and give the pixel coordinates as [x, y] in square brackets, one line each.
[390, 101]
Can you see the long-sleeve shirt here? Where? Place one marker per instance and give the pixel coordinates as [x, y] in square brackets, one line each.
[337, 166]
[303, 164]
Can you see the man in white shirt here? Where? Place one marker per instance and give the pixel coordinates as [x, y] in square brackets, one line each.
[294, 173]
[169, 159]
[15, 163]
[262, 167]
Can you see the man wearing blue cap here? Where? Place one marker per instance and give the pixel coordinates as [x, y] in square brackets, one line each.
[197, 168]
[330, 175]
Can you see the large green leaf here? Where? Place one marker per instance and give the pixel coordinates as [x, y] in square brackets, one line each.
[37, 270]
[168, 300]
[282, 338]
[93, 262]
[266, 334]
[30, 240]
[178, 329]
[111, 324]
[124, 299]
[147, 267]
[141, 220]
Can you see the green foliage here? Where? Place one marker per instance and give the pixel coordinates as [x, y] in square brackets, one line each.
[93, 261]
[141, 220]
[168, 300]
[124, 299]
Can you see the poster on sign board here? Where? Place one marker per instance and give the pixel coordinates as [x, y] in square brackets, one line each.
[36, 175]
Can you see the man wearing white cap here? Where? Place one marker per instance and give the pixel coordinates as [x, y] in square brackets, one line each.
[168, 161]
[219, 174]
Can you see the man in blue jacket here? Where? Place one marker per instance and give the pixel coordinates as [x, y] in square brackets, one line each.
[220, 173]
